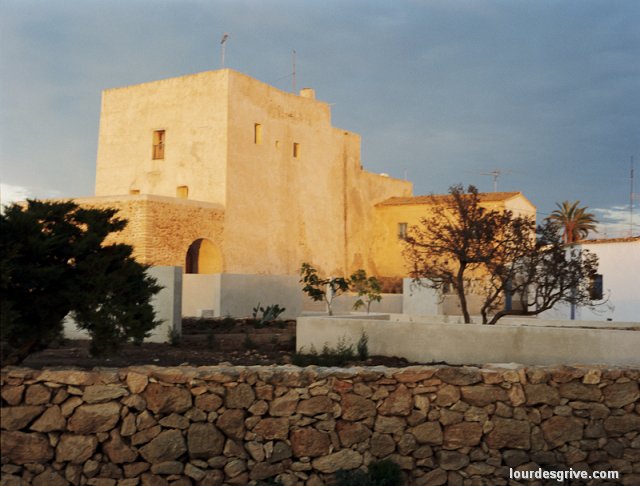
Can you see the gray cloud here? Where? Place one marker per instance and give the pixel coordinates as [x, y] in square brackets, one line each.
[445, 90]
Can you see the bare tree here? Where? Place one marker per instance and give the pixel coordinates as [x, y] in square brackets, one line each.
[470, 249]
[549, 273]
[455, 245]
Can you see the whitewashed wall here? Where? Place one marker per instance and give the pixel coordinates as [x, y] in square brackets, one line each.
[619, 264]
[236, 295]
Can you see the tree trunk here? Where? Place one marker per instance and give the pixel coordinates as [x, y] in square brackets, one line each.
[461, 294]
[20, 354]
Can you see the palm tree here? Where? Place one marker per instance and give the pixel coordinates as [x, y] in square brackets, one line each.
[575, 222]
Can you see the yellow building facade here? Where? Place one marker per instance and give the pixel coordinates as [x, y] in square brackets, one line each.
[395, 216]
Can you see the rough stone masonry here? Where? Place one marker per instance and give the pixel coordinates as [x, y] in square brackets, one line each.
[243, 425]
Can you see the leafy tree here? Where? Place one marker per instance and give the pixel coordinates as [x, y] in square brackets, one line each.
[575, 221]
[472, 250]
[321, 289]
[55, 262]
[368, 289]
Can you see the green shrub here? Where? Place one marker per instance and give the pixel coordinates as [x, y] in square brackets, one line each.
[352, 478]
[269, 482]
[379, 473]
[269, 314]
[385, 473]
[227, 323]
[338, 356]
[248, 342]
[175, 337]
[363, 347]
[211, 339]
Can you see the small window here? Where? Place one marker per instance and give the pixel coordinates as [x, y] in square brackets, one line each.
[596, 289]
[134, 192]
[182, 192]
[296, 150]
[158, 144]
[402, 231]
[277, 144]
[257, 134]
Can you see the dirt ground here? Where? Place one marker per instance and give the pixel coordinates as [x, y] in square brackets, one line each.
[203, 343]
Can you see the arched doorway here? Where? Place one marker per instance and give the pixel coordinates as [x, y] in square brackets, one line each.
[203, 257]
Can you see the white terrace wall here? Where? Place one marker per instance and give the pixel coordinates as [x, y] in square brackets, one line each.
[236, 295]
[469, 343]
[423, 301]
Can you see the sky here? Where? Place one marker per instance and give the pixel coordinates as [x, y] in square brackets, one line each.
[442, 92]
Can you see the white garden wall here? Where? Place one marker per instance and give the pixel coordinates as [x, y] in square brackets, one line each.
[475, 344]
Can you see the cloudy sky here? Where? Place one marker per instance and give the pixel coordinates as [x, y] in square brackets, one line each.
[442, 91]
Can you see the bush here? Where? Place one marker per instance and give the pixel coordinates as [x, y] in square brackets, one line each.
[211, 339]
[56, 261]
[227, 323]
[269, 314]
[363, 347]
[342, 354]
[379, 473]
[248, 342]
[175, 337]
[337, 356]
[352, 478]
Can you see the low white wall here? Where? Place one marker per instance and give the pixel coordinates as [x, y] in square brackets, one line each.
[516, 321]
[239, 294]
[200, 294]
[440, 318]
[475, 344]
[236, 295]
[167, 303]
[534, 321]
[418, 300]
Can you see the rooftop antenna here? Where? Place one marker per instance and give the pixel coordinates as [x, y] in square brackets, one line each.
[293, 60]
[496, 173]
[223, 44]
[631, 198]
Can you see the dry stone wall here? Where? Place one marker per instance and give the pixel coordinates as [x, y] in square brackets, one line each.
[243, 425]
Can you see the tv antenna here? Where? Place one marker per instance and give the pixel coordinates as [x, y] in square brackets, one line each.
[293, 73]
[496, 173]
[223, 44]
[632, 196]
